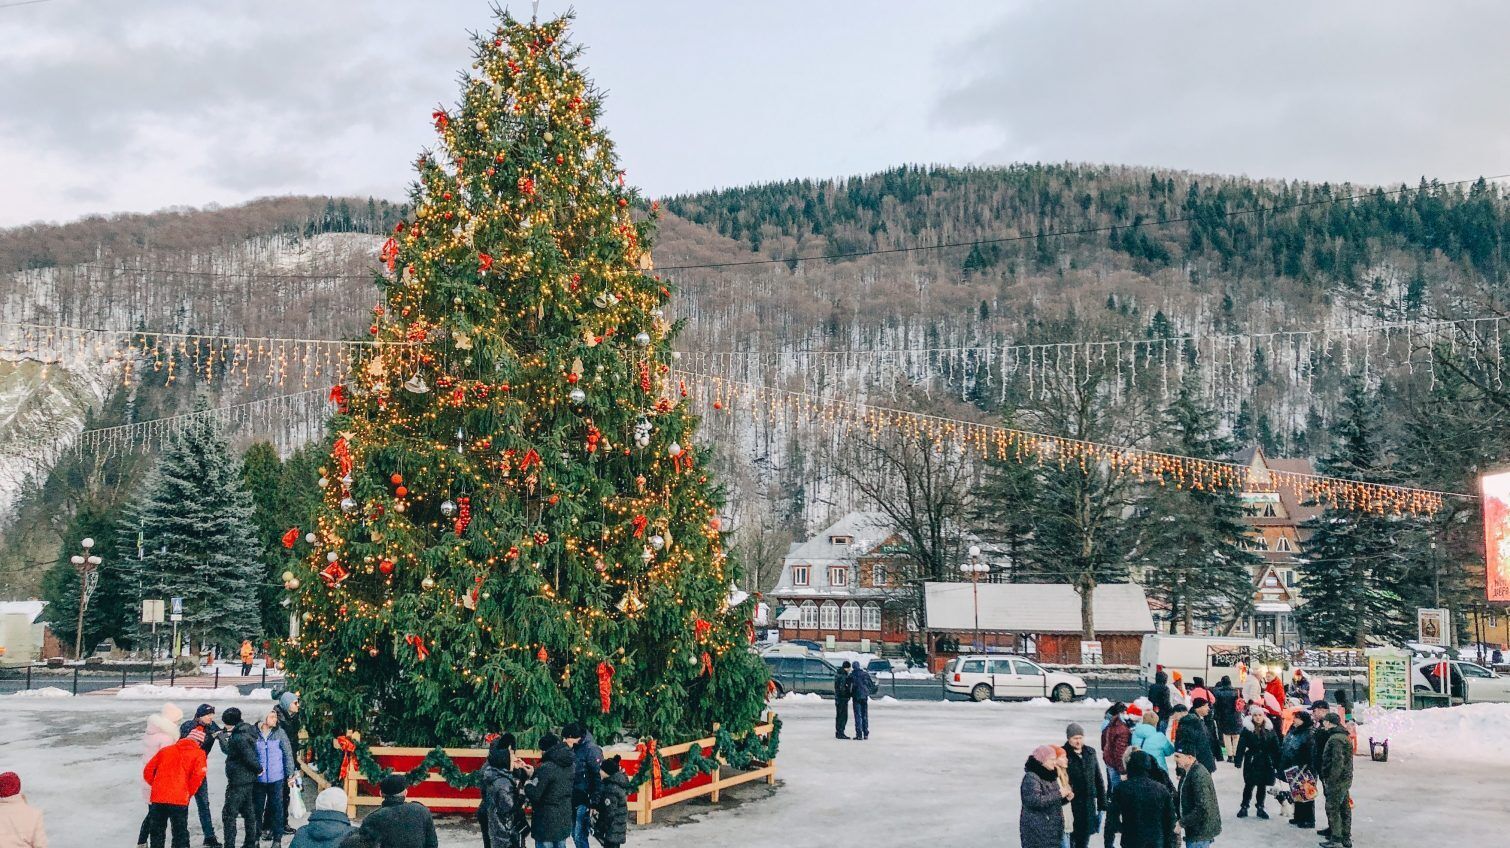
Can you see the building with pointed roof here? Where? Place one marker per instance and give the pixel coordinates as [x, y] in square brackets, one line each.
[1275, 518]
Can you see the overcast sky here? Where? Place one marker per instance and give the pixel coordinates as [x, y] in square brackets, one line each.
[133, 105]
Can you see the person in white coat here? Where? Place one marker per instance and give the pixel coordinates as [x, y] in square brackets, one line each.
[162, 731]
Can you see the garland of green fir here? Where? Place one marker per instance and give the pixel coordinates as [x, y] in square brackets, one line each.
[739, 753]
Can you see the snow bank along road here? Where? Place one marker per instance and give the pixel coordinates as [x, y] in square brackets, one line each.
[931, 774]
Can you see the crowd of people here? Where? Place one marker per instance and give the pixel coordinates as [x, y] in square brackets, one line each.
[573, 793]
[1160, 755]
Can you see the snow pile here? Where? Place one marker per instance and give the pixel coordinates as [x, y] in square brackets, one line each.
[801, 698]
[1471, 732]
[44, 692]
[148, 692]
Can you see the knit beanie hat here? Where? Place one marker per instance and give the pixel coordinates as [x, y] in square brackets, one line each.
[204, 710]
[287, 700]
[232, 716]
[1151, 717]
[10, 784]
[1045, 755]
[612, 764]
[331, 799]
[549, 741]
[1073, 730]
[502, 740]
[572, 730]
[1332, 719]
[197, 734]
[393, 784]
[1197, 703]
[499, 758]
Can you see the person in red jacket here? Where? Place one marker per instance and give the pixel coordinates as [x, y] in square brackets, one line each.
[174, 774]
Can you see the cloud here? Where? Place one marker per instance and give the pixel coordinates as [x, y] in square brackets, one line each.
[1367, 91]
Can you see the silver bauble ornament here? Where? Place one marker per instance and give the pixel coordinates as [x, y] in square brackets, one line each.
[332, 556]
[310, 538]
[642, 339]
[674, 450]
[657, 541]
[348, 505]
[427, 584]
[448, 508]
[577, 396]
[322, 482]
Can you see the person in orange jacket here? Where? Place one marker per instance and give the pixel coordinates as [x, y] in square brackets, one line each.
[248, 653]
[174, 773]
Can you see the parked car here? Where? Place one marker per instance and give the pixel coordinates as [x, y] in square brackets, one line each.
[1470, 683]
[801, 673]
[983, 677]
[802, 643]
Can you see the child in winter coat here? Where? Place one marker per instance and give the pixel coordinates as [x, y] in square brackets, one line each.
[1258, 757]
[1147, 738]
[612, 823]
[20, 822]
[162, 731]
[174, 774]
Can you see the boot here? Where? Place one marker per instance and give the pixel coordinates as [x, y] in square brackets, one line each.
[1242, 812]
[211, 842]
[1261, 814]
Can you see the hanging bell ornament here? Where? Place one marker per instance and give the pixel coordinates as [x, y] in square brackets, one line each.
[601, 300]
[416, 384]
[348, 505]
[448, 508]
[346, 481]
[657, 313]
[657, 541]
[578, 397]
[642, 339]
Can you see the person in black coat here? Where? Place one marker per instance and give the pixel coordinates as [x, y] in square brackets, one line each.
[1295, 762]
[1258, 757]
[204, 717]
[1088, 784]
[1194, 735]
[399, 823]
[1142, 806]
[1158, 693]
[501, 810]
[242, 766]
[843, 689]
[612, 821]
[1228, 723]
[549, 791]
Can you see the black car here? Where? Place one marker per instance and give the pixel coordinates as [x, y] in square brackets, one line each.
[801, 673]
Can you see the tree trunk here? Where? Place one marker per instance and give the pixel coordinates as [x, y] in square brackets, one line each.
[1087, 590]
[1188, 619]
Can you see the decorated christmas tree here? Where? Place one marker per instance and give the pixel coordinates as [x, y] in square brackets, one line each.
[517, 530]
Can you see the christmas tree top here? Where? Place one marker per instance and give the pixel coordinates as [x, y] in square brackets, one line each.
[517, 531]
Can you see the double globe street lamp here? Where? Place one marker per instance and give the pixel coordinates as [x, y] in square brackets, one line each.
[89, 577]
[975, 568]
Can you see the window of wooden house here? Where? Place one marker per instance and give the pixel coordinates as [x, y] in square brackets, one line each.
[799, 575]
[828, 616]
[849, 616]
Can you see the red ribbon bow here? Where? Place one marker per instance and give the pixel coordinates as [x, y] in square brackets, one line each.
[442, 120]
[639, 522]
[389, 254]
[419, 646]
[348, 750]
[605, 686]
[338, 397]
[290, 537]
[484, 262]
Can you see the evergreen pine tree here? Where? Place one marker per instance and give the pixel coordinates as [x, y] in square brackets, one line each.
[199, 538]
[517, 531]
[1195, 551]
[1354, 562]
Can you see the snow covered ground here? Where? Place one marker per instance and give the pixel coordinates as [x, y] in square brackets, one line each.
[931, 774]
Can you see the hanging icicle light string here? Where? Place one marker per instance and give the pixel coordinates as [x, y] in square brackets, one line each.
[292, 419]
[1227, 360]
[995, 442]
[269, 360]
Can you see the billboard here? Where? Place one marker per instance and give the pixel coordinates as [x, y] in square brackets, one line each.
[1495, 491]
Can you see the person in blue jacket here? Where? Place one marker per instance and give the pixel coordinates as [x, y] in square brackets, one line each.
[1148, 738]
[276, 756]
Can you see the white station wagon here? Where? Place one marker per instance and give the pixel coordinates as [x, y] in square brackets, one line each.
[987, 676]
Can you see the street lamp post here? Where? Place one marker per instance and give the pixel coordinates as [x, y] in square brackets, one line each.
[89, 577]
[975, 568]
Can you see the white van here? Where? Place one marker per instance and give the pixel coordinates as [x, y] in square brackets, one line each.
[1209, 657]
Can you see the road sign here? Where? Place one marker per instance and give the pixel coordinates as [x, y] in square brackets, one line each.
[178, 607]
[152, 612]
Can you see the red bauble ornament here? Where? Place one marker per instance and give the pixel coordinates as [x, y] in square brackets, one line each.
[396, 479]
[402, 491]
[386, 566]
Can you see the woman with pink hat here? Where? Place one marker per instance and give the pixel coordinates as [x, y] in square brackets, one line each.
[1041, 822]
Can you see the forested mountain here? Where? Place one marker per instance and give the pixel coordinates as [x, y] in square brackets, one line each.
[1028, 254]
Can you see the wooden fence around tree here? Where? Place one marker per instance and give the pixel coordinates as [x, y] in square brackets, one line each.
[651, 795]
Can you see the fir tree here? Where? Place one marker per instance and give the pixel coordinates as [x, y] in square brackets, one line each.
[1355, 560]
[113, 606]
[1197, 561]
[199, 539]
[516, 531]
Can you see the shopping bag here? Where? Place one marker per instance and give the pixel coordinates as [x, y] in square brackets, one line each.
[296, 808]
